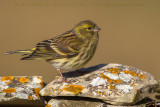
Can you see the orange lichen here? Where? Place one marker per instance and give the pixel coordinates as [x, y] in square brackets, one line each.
[115, 72]
[113, 69]
[50, 93]
[110, 80]
[23, 80]
[133, 73]
[59, 89]
[99, 92]
[37, 95]
[7, 78]
[126, 72]
[48, 105]
[111, 86]
[104, 93]
[8, 82]
[50, 88]
[42, 85]
[30, 98]
[36, 90]
[45, 94]
[75, 89]
[130, 72]
[142, 77]
[117, 81]
[9, 90]
[132, 85]
[104, 77]
[135, 95]
[139, 75]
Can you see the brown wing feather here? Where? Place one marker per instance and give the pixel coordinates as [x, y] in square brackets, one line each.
[65, 45]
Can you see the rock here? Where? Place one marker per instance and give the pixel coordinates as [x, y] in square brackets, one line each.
[73, 103]
[158, 90]
[113, 83]
[20, 88]
[82, 103]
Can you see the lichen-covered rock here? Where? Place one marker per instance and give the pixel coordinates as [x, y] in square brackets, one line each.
[113, 83]
[82, 103]
[20, 87]
[73, 103]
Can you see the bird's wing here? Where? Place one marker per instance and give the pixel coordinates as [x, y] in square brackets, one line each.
[65, 45]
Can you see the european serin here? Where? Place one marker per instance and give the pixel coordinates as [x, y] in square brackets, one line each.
[68, 51]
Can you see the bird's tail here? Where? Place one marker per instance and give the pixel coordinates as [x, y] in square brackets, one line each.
[25, 52]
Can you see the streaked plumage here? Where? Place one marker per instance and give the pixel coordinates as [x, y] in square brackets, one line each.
[68, 51]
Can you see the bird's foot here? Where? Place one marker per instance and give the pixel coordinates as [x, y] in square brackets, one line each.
[63, 79]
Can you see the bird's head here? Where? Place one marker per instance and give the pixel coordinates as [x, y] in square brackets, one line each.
[86, 29]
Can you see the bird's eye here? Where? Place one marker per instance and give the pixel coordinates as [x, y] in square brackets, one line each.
[89, 28]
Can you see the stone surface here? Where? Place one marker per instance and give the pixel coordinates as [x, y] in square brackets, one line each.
[73, 103]
[20, 87]
[158, 90]
[113, 83]
[22, 103]
[82, 103]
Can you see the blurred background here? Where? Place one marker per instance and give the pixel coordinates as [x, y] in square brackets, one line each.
[130, 32]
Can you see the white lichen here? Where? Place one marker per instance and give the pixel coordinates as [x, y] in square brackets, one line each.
[98, 81]
[36, 80]
[4, 82]
[34, 85]
[22, 95]
[3, 87]
[19, 89]
[125, 77]
[124, 88]
[29, 91]
[85, 90]
[53, 103]
[34, 97]
[111, 76]
[94, 93]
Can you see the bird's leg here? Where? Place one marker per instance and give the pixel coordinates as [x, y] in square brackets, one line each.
[61, 75]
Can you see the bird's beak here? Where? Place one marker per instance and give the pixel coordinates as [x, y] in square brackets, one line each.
[97, 29]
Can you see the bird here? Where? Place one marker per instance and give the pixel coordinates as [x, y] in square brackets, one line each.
[68, 51]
